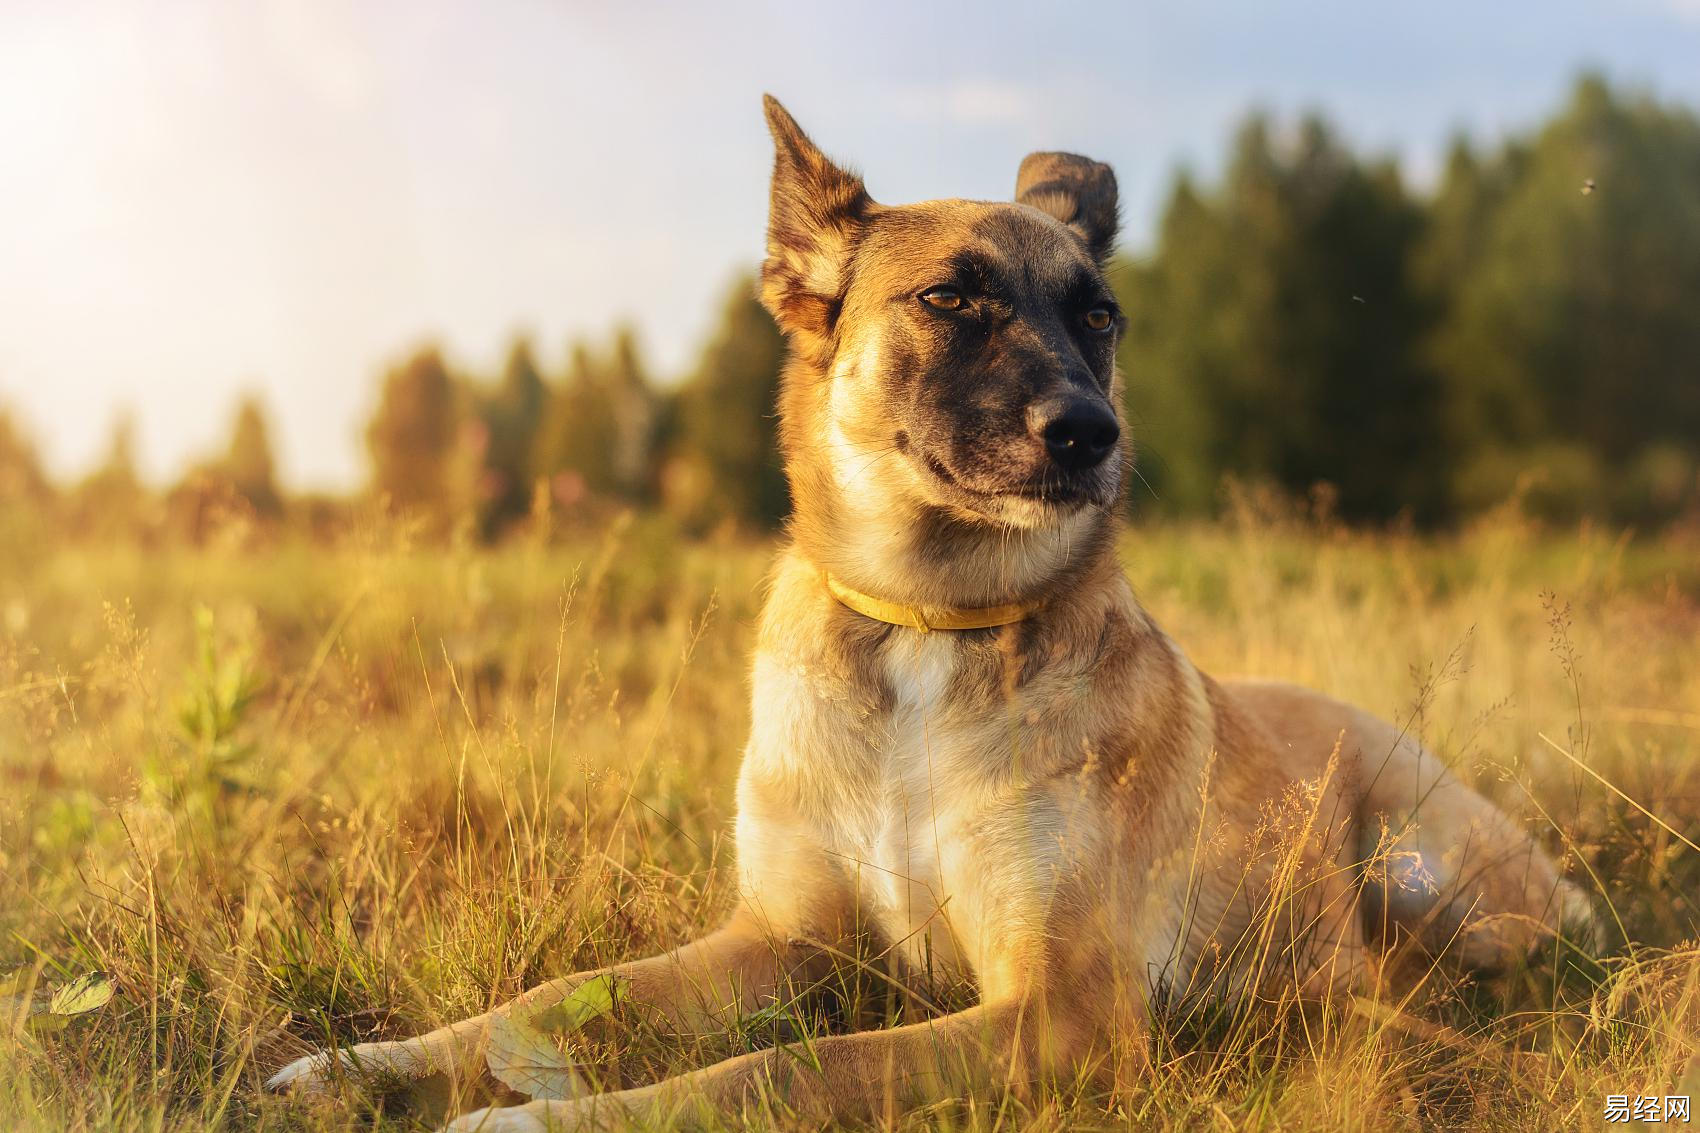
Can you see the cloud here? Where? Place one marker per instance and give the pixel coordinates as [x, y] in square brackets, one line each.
[970, 102]
[984, 102]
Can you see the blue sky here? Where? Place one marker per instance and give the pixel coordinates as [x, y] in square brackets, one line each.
[204, 198]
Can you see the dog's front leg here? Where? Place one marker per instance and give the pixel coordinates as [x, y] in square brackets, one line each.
[842, 1077]
[742, 963]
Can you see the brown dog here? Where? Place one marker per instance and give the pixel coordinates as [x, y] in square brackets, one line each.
[971, 746]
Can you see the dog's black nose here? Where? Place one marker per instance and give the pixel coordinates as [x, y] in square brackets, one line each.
[1078, 432]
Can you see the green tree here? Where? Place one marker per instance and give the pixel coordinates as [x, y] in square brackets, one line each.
[599, 438]
[1274, 334]
[724, 458]
[511, 414]
[576, 444]
[1171, 378]
[635, 409]
[1569, 269]
[412, 435]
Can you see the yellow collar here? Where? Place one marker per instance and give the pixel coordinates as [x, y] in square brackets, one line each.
[928, 618]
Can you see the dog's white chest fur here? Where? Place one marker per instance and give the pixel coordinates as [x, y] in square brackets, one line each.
[907, 795]
[906, 841]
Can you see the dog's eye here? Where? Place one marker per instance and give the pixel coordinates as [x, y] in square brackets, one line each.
[942, 298]
[1098, 319]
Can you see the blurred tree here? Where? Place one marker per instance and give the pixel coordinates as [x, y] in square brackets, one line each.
[248, 464]
[1169, 376]
[511, 415]
[599, 438]
[636, 413]
[26, 496]
[723, 458]
[576, 443]
[115, 485]
[1569, 271]
[22, 480]
[413, 433]
[1532, 328]
[226, 494]
[1274, 334]
[112, 500]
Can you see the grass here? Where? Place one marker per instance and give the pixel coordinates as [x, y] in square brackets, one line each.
[284, 792]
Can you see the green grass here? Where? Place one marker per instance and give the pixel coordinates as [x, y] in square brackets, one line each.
[284, 792]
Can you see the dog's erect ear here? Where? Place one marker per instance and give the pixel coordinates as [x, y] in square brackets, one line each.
[816, 217]
[1076, 190]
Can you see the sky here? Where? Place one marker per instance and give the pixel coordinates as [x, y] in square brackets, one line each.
[200, 200]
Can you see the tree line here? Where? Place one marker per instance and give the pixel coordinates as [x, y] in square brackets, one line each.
[1530, 327]
[599, 436]
[462, 454]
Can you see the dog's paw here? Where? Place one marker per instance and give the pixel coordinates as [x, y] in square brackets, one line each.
[311, 1074]
[536, 1117]
[317, 1073]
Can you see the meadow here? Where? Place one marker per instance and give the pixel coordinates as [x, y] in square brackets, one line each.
[281, 791]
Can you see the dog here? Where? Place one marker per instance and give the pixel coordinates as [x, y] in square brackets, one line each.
[971, 748]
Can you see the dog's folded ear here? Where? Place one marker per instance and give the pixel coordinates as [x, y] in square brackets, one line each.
[1076, 190]
[815, 219]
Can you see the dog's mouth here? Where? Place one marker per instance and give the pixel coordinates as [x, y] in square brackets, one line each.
[1048, 489]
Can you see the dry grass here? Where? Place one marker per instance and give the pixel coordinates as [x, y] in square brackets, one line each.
[285, 793]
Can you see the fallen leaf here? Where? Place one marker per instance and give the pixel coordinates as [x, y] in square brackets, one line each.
[521, 1057]
[591, 999]
[82, 995]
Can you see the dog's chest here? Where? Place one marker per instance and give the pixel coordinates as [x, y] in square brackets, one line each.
[903, 783]
[929, 776]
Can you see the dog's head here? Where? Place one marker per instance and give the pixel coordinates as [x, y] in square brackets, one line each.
[961, 354]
